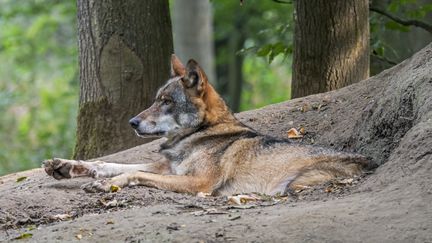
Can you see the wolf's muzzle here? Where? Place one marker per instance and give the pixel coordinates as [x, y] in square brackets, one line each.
[134, 122]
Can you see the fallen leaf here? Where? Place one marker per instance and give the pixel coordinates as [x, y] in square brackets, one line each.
[62, 216]
[293, 133]
[280, 197]
[306, 107]
[112, 203]
[24, 236]
[110, 222]
[302, 130]
[22, 178]
[242, 199]
[300, 188]
[203, 194]
[109, 204]
[78, 236]
[346, 181]
[114, 188]
[234, 217]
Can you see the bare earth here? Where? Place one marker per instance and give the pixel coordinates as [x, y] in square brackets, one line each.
[387, 117]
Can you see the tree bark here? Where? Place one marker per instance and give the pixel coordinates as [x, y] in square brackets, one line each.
[331, 45]
[193, 33]
[124, 49]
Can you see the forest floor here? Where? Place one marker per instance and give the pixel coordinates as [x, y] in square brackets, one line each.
[387, 117]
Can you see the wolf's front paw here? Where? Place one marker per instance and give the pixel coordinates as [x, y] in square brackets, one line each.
[103, 185]
[64, 168]
[58, 168]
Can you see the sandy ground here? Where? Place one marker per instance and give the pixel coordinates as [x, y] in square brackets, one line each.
[387, 117]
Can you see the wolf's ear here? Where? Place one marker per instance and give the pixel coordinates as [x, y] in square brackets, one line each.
[177, 67]
[195, 78]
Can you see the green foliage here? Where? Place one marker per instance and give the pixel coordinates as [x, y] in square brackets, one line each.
[265, 85]
[383, 30]
[266, 29]
[410, 8]
[38, 82]
[268, 26]
[270, 51]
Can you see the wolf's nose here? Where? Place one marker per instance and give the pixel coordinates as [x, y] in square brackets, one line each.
[134, 122]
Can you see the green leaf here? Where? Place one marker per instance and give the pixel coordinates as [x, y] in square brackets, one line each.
[379, 51]
[271, 57]
[22, 178]
[24, 236]
[278, 48]
[264, 50]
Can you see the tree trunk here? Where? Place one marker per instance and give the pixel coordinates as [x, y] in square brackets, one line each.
[124, 49]
[193, 33]
[235, 70]
[230, 65]
[331, 45]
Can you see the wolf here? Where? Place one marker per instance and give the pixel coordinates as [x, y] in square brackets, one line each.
[209, 151]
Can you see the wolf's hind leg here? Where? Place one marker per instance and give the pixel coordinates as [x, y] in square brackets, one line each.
[309, 178]
[323, 172]
[66, 169]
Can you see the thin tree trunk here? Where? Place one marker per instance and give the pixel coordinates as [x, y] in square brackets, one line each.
[235, 70]
[193, 33]
[331, 45]
[230, 65]
[124, 49]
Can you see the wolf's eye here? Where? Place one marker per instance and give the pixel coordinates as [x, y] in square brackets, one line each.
[166, 101]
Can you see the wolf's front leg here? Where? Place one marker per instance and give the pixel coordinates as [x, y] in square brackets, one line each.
[176, 183]
[66, 169]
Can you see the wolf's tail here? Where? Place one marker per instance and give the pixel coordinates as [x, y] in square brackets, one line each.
[330, 167]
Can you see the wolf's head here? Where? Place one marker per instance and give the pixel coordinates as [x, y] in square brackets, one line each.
[185, 103]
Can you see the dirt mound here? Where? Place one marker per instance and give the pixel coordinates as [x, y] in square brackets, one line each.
[387, 117]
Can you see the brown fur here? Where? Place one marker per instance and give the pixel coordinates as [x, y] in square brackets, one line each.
[220, 155]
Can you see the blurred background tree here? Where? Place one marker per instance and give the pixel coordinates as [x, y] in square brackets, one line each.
[192, 24]
[253, 45]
